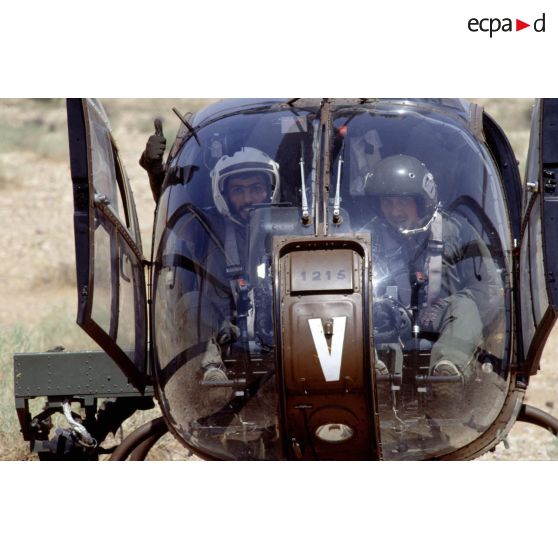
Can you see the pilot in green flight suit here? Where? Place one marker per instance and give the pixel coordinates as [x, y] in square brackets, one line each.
[435, 264]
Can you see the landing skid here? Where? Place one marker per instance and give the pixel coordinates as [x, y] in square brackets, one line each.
[535, 416]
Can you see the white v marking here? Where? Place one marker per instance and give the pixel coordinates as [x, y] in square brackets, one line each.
[329, 361]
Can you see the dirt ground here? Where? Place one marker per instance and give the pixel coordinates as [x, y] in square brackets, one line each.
[37, 276]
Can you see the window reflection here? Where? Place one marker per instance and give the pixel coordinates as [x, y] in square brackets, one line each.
[430, 198]
[102, 288]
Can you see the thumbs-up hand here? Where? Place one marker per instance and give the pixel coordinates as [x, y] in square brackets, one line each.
[156, 145]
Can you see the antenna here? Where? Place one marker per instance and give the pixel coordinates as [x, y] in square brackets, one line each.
[187, 124]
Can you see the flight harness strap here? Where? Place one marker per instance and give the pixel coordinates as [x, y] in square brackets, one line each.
[234, 268]
[242, 293]
[434, 260]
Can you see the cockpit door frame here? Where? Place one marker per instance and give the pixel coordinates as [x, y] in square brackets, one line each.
[97, 216]
[538, 257]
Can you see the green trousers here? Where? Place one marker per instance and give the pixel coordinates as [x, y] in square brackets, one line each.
[460, 330]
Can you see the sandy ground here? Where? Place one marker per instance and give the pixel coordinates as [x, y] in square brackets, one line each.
[37, 283]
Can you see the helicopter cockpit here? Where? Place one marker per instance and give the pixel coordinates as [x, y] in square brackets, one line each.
[332, 281]
[432, 199]
[212, 316]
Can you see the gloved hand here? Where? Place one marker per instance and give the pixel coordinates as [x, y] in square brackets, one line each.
[152, 158]
[391, 321]
[430, 317]
[383, 316]
[228, 333]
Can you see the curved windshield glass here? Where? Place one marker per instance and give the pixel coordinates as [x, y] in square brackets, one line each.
[241, 181]
[248, 276]
[430, 196]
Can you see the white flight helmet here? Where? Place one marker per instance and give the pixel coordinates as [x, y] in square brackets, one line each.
[248, 159]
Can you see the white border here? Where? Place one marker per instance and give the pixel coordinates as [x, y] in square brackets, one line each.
[255, 48]
[277, 509]
[249, 48]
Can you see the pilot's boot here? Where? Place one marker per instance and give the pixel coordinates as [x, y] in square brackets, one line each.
[214, 371]
[447, 387]
[447, 368]
[381, 368]
[383, 386]
[214, 375]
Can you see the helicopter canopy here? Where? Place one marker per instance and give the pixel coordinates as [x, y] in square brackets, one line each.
[440, 288]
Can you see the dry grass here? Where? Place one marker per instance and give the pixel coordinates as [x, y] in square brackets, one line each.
[37, 277]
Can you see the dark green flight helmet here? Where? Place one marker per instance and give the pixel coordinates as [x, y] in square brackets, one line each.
[403, 175]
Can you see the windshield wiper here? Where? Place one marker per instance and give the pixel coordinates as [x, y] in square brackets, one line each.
[337, 219]
[305, 211]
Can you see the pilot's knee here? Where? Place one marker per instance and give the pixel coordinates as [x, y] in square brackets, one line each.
[464, 313]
